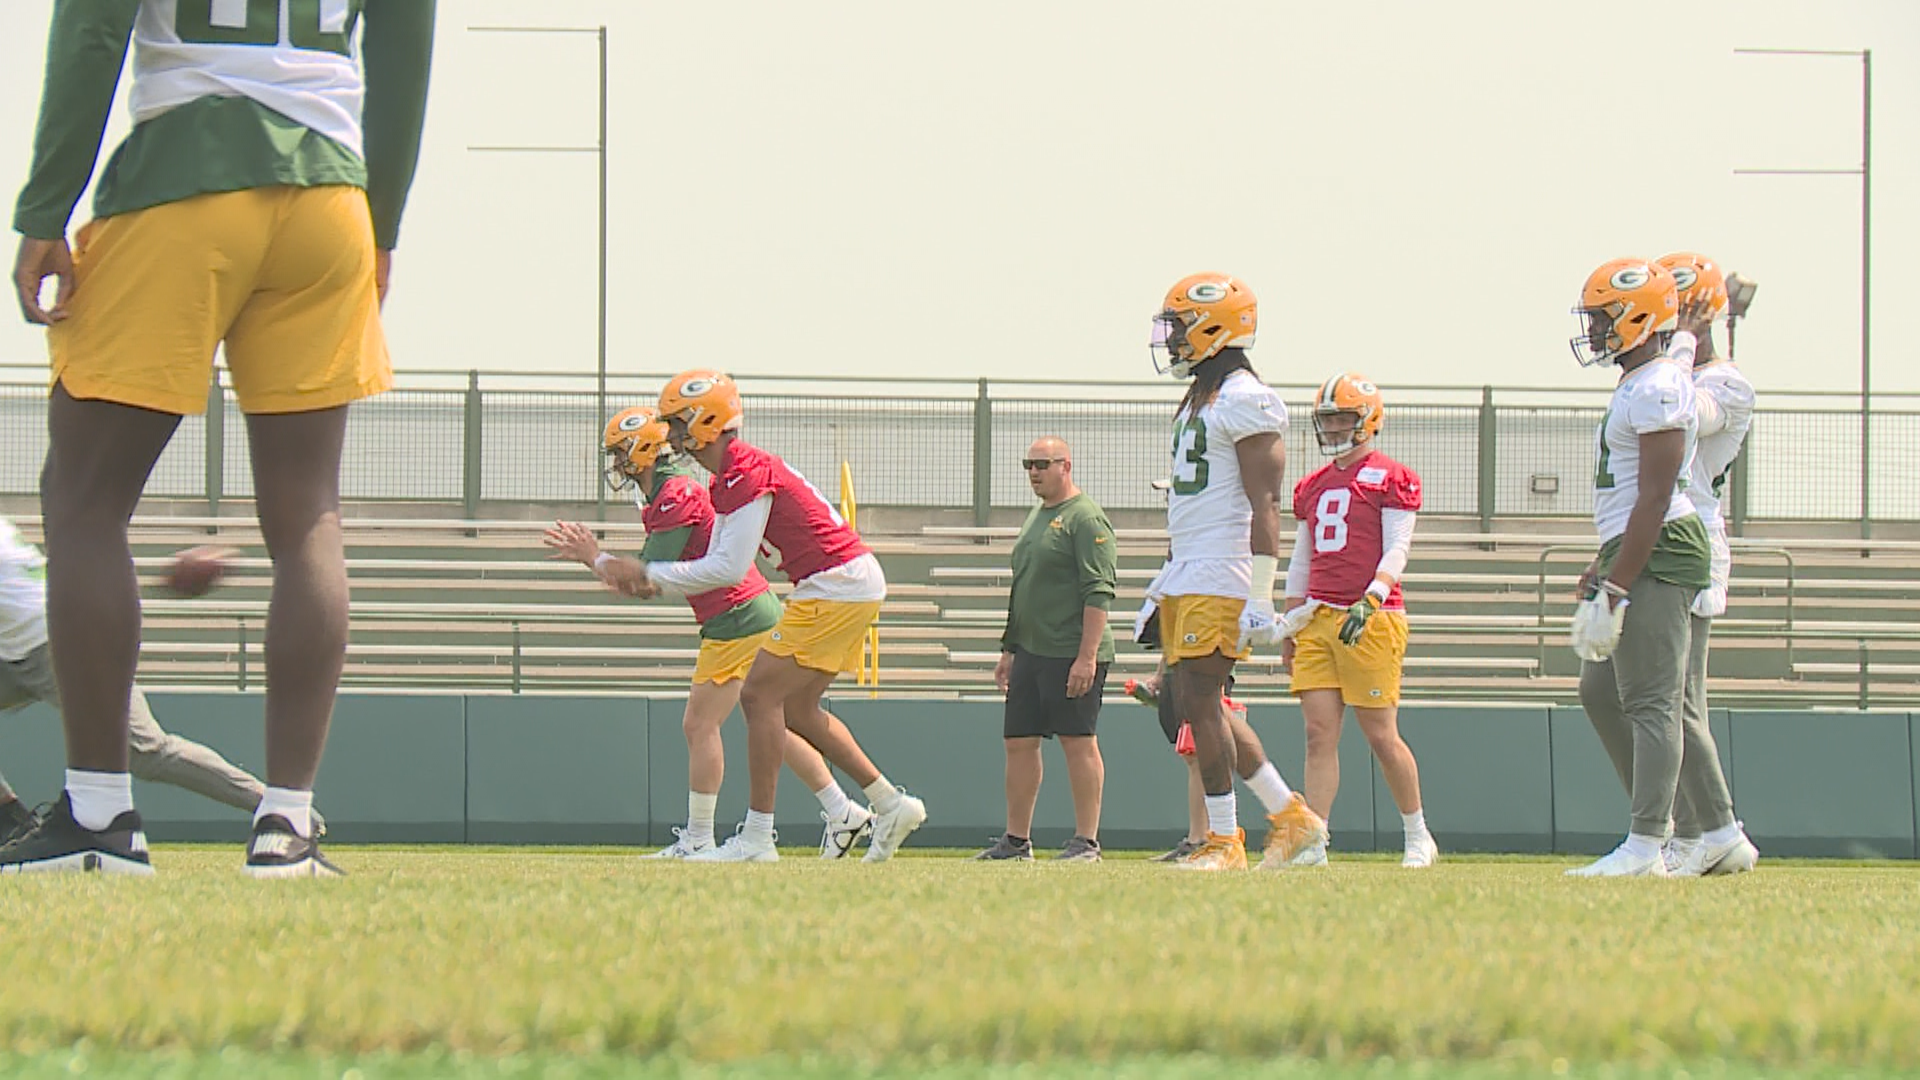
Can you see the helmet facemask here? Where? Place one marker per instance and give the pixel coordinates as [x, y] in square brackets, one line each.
[1338, 440]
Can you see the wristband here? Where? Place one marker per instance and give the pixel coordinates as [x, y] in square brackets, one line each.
[601, 560]
[1265, 567]
[1379, 590]
[1614, 589]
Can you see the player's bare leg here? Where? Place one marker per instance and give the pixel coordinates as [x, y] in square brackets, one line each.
[845, 821]
[1382, 729]
[1326, 714]
[895, 813]
[1198, 687]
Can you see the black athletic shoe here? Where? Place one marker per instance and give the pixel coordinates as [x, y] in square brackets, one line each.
[54, 841]
[15, 820]
[1180, 851]
[276, 851]
[1007, 848]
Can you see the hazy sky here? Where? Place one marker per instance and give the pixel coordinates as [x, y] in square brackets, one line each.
[1005, 188]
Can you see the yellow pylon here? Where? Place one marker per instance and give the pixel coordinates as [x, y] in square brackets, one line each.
[869, 670]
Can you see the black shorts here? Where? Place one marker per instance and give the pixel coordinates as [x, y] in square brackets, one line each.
[1169, 718]
[1037, 701]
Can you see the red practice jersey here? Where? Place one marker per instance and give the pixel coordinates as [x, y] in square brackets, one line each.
[683, 504]
[1341, 508]
[804, 532]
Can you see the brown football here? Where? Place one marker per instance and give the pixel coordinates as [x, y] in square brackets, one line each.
[197, 570]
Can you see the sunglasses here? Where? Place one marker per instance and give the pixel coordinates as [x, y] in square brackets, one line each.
[1039, 463]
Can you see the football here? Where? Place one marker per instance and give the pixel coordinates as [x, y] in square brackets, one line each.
[199, 569]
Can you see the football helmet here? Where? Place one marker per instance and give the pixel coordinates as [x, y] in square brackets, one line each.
[1202, 315]
[633, 441]
[1624, 303]
[1697, 275]
[1347, 395]
[707, 402]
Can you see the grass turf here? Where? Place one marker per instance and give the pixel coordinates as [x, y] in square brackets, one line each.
[565, 963]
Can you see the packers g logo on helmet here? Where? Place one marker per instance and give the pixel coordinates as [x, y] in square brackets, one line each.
[1629, 277]
[1206, 292]
[1685, 276]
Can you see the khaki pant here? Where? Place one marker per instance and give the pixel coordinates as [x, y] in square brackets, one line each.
[155, 754]
[1648, 704]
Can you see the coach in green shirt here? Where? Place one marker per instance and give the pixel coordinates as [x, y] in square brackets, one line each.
[1055, 651]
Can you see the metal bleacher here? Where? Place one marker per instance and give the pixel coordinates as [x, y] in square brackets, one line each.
[476, 605]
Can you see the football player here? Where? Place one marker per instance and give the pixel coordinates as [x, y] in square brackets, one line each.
[1215, 593]
[1634, 625]
[1706, 837]
[734, 624]
[759, 500]
[1356, 516]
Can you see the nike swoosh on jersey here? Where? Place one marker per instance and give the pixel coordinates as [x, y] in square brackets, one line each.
[736, 480]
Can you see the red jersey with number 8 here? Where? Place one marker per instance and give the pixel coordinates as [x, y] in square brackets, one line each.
[1341, 509]
[804, 531]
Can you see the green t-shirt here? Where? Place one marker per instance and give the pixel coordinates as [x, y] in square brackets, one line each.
[1063, 563]
[220, 143]
[1681, 556]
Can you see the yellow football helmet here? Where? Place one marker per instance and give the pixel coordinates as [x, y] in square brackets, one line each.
[1623, 304]
[633, 441]
[1697, 275]
[707, 402]
[1201, 315]
[1347, 395]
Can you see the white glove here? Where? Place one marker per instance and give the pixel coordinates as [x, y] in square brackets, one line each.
[1596, 631]
[1259, 624]
[1296, 620]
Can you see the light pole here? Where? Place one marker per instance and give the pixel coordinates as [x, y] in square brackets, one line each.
[599, 149]
[1865, 173]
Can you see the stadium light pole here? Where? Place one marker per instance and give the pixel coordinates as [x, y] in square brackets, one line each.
[1865, 173]
[599, 150]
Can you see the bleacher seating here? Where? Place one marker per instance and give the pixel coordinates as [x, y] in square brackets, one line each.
[477, 605]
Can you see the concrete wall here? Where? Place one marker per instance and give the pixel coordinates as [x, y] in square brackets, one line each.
[612, 770]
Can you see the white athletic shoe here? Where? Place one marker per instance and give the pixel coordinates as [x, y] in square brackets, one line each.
[1682, 857]
[740, 849]
[893, 827]
[1311, 855]
[1421, 853]
[844, 831]
[683, 846]
[1736, 856]
[1618, 863]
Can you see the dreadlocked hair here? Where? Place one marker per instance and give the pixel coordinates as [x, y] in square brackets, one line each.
[1208, 378]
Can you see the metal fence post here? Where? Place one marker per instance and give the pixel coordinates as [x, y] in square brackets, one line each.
[216, 445]
[1489, 436]
[470, 470]
[1737, 496]
[982, 456]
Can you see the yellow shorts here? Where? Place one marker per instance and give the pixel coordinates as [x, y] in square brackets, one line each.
[1367, 673]
[1192, 626]
[824, 635]
[283, 275]
[726, 661]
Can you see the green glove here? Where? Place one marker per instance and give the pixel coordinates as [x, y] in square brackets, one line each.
[1356, 623]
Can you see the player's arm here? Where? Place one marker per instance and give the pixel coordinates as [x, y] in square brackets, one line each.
[1263, 466]
[86, 47]
[1661, 454]
[397, 53]
[736, 536]
[1721, 405]
[1299, 567]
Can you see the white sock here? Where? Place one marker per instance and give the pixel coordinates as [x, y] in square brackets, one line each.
[833, 800]
[1271, 790]
[295, 806]
[700, 808]
[1721, 836]
[1414, 825]
[883, 795]
[1222, 818]
[759, 827]
[98, 797]
[1643, 847]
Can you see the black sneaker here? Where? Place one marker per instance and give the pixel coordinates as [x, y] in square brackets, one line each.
[276, 851]
[1180, 851]
[54, 841]
[15, 820]
[1079, 849]
[1007, 848]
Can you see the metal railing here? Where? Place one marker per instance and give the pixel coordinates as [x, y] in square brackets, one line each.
[465, 440]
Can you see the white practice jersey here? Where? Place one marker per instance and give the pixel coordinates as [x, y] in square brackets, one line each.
[293, 56]
[1723, 399]
[23, 595]
[1209, 517]
[1657, 396]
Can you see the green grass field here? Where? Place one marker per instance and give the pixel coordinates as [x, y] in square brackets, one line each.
[434, 962]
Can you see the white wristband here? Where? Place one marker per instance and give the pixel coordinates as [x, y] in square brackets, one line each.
[601, 560]
[1379, 590]
[1265, 568]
